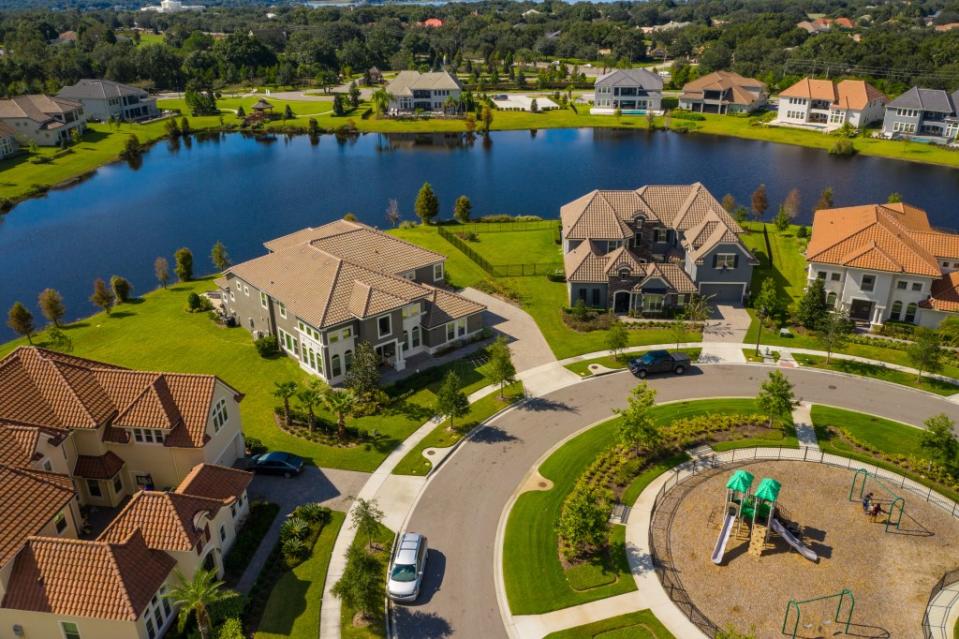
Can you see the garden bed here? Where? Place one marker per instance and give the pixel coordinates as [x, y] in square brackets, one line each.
[258, 522]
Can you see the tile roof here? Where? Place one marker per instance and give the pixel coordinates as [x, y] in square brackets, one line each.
[166, 520]
[934, 100]
[674, 276]
[104, 466]
[945, 293]
[725, 81]
[39, 108]
[406, 82]
[18, 444]
[29, 500]
[215, 482]
[45, 388]
[586, 264]
[87, 578]
[445, 306]
[847, 94]
[709, 233]
[102, 89]
[880, 237]
[631, 77]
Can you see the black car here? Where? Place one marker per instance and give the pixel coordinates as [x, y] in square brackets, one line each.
[659, 362]
[276, 463]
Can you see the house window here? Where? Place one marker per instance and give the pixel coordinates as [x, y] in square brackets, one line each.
[336, 366]
[151, 630]
[415, 336]
[348, 360]
[902, 285]
[93, 487]
[148, 436]
[917, 286]
[595, 297]
[455, 329]
[724, 261]
[438, 272]
[624, 273]
[282, 307]
[384, 325]
[222, 533]
[896, 311]
[834, 277]
[821, 275]
[868, 283]
[239, 286]
[246, 290]
[233, 510]
[831, 300]
[219, 415]
[945, 265]
[70, 630]
[60, 522]
[263, 299]
[659, 235]
[910, 313]
[652, 303]
[118, 484]
[47, 465]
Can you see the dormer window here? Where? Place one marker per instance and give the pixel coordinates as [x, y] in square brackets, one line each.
[624, 273]
[639, 220]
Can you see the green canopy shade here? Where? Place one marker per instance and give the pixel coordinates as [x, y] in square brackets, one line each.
[740, 481]
[768, 489]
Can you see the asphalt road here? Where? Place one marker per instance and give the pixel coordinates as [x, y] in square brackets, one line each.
[460, 509]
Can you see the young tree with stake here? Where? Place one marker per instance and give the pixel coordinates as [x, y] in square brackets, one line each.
[776, 398]
[451, 402]
[501, 368]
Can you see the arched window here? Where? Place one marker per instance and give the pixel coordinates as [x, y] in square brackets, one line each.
[337, 370]
[348, 360]
[911, 313]
[624, 273]
[896, 312]
[638, 220]
[831, 300]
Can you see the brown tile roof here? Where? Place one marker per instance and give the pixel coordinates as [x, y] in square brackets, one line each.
[45, 388]
[585, 264]
[39, 108]
[105, 466]
[674, 276]
[18, 444]
[29, 499]
[812, 89]
[215, 482]
[876, 237]
[165, 519]
[945, 294]
[87, 578]
[847, 94]
[724, 81]
[709, 233]
[445, 306]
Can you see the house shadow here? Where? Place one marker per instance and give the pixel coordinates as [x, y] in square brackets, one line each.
[294, 605]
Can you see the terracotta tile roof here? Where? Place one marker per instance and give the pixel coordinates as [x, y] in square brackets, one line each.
[87, 578]
[29, 499]
[445, 306]
[847, 94]
[105, 466]
[812, 89]
[215, 482]
[945, 293]
[876, 237]
[165, 519]
[725, 81]
[18, 444]
[709, 233]
[45, 388]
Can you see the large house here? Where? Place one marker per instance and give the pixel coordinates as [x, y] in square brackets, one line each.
[412, 91]
[882, 262]
[723, 92]
[648, 250]
[322, 290]
[103, 99]
[632, 91]
[828, 105]
[926, 113]
[42, 120]
[76, 433]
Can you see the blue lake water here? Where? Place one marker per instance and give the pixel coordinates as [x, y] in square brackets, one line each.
[243, 191]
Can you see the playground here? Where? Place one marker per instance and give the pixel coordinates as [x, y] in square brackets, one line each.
[744, 544]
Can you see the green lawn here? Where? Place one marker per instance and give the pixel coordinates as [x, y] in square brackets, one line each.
[293, 609]
[582, 368]
[383, 544]
[518, 247]
[157, 334]
[415, 463]
[634, 625]
[884, 434]
[787, 267]
[461, 271]
[604, 570]
[534, 578]
[879, 372]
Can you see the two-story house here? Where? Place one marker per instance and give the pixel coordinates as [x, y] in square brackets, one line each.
[322, 290]
[881, 262]
[632, 91]
[42, 120]
[927, 113]
[649, 249]
[412, 91]
[105, 99]
[723, 92]
[828, 105]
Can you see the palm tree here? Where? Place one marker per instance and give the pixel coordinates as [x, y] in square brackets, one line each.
[341, 403]
[451, 105]
[284, 391]
[310, 397]
[196, 597]
[381, 99]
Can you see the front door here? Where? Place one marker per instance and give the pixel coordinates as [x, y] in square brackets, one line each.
[861, 310]
[621, 302]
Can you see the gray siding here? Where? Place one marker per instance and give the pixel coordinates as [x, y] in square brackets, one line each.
[368, 330]
[743, 272]
[577, 289]
[892, 117]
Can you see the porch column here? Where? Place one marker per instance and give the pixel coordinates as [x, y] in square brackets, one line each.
[399, 362]
[877, 313]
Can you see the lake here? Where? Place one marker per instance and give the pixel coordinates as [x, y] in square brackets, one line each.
[244, 191]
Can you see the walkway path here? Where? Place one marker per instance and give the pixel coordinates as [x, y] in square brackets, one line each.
[527, 344]
[802, 420]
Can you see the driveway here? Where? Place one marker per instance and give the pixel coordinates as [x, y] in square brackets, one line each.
[330, 487]
[461, 506]
[728, 323]
[526, 342]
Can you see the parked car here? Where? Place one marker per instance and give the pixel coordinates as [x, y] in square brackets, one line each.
[277, 463]
[407, 567]
[659, 362]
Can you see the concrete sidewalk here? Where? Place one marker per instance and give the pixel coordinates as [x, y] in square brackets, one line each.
[805, 432]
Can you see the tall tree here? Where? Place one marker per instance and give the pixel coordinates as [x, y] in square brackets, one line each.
[638, 430]
[381, 102]
[363, 377]
[775, 397]
[341, 403]
[122, 289]
[366, 518]
[451, 401]
[284, 391]
[21, 321]
[760, 202]
[791, 204]
[500, 368]
[361, 585]
[925, 352]
[486, 116]
[427, 204]
[102, 296]
[824, 201]
[393, 211]
[354, 94]
[462, 209]
[161, 269]
[51, 306]
[184, 264]
[812, 307]
[584, 520]
[219, 257]
[195, 598]
[311, 397]
[834, 332]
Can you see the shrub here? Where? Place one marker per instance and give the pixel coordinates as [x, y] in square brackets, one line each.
[254, 446]
[294, 528]
[469, 236]
[267, 346]
[294, 552]
[198, 303]
[313, 513]
[122, 288]
[802, 232]
[556, 276]
[687, 115]
[669, 103]
[843, 148]
[407, 224]
[232, 628]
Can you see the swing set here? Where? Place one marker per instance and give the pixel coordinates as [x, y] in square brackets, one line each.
[896, 508]
[842, 616]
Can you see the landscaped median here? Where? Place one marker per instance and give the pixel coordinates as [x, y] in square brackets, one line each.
[642, 624]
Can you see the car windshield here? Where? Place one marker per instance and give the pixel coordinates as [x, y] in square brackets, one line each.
[403, 572]
[647, 358]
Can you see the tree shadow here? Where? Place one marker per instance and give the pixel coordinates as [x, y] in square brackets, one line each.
[423, 625]
[493, 435]
[122, 314]
[408, 409]
[542, 404]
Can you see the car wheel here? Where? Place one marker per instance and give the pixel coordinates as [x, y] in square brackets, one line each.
[680, 369]
[641, 374]
[287, 474]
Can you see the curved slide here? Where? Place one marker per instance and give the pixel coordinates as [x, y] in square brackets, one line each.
[727, 530]
[801, 548]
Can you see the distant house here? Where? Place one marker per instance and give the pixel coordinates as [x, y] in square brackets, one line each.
[41, 119]
[723, 92]
[432, 23]
[632, 91]
[515, 102]
[414, 91]
[374, 75]
[820, 25]
[172, 6]
[826, 105]
[103, 99]
[8, 141]
[947, 27]
[66, 37]
[669, 26]
[928, 113]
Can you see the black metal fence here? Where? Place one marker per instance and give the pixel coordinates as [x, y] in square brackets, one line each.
[500, 270]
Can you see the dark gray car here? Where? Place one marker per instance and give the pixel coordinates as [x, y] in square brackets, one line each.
[659, 362]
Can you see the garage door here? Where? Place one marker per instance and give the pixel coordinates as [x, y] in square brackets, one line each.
[722, 293]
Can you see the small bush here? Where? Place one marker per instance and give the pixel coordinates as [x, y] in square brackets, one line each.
[802, 232]
[294, 552]
[198, 303]
[843, 148]
[267, 346]
[669, 103]
[407, 224]
[468, 236]
[313, 513]
[557, 276]
[294, 528]
[254, 446]
[687, 115]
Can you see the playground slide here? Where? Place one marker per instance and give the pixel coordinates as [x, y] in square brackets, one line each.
[724, 534]
[808, 553]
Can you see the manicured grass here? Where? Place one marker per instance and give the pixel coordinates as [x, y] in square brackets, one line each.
[383, 545]
[461, 271]
[774, 438]
[930, 384]
[751, 356]
[415, 463]
[645, 478]
[582, 368]
[884, 434]
[254, 529]
[604, 570]
[518, 247]
[293, 609]
[634, 625]
[534, 578]
[787, 267]
[157, 334]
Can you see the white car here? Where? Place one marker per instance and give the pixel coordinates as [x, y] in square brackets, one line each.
[407, 568]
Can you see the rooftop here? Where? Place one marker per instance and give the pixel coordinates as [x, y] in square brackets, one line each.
[102, 89]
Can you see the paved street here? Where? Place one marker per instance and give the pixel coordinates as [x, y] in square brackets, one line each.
[460, 509]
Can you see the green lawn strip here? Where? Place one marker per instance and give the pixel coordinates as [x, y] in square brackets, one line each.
[616, 363]
[751, 356]
[604, 570]
[534, 576]
[645, 478]
[642, 624]
[293, 609]
[875, 371]
[383, 544]
[414, 463]
[258, 522]
[788, 266]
